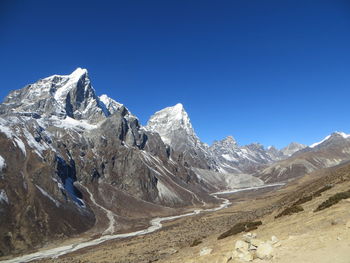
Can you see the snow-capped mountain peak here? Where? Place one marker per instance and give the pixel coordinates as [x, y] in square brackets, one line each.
[343, 134]
[70, 82]
[175, 129]
[334, 136]
[167, 122]
[109, 102]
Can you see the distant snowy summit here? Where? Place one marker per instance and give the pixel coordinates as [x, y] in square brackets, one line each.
[334, 137]
[171, 121]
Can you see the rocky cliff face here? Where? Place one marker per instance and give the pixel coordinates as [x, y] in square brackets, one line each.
[59, 142]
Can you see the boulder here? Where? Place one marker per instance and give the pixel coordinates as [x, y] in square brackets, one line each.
[256, 242]
[264, 251]
[243, 256]
[274, 240]
[241, 246]
[248, 237]
[252, 247]
[247, 257]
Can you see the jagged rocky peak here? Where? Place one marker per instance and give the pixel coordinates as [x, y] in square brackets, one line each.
[62, 96]
[228, 142]
[175, 129]
[110, 104]
[171, 123]
[292, 148]
[274, 153]
[113, 106]
[255, 146]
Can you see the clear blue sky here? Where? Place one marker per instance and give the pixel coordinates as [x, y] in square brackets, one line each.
[262, 71]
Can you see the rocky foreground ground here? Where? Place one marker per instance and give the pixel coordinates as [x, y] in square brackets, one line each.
[299, 234]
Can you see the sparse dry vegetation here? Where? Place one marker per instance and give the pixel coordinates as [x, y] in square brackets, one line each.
[290, 210]
[308, 198]
[196, 242]
[303, 200]
[323, 189]
[334, 199]
[240, 227]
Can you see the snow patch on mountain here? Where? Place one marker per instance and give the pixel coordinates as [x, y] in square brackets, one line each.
[38, 147]
[5, 129]
[2, 163]
[318, 143]
[110, 103]
[70, 123]
[229, 158]
[48, 196]
[21, 145]
[3, 197]
[343, 134]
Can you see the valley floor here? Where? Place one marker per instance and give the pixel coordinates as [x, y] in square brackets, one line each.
[305, 237]
[174, 236]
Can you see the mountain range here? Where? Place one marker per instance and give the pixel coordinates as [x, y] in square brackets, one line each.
[67, 155]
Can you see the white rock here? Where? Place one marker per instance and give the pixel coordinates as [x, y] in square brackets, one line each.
[248, 237]
[274, 240]
[241, 246]
[205, 251]
[252, 247]
[256, 242]
[264, 251]
[243, 256]
[247, 257]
